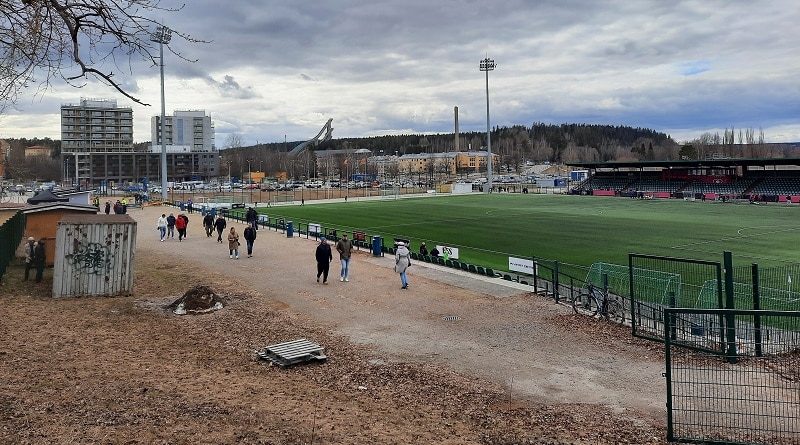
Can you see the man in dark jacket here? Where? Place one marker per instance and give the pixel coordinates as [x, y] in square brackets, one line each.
[171, 226]
[249, 237]
[220, 225]
[324, 257]
[252, 217]
[39, 260]
[208, 223]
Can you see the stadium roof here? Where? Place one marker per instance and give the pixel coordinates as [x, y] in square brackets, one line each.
[727, 162]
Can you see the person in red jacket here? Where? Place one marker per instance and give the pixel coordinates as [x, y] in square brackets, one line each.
[180, 224]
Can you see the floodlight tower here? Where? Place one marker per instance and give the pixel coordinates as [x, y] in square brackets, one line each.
[162, 35]
[487, 65]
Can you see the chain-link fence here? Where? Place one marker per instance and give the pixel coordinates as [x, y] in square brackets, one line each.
[747, 391]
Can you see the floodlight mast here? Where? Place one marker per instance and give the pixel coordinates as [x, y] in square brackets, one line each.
[487, 65]
[162, 35]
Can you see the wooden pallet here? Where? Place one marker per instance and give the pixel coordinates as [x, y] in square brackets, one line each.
[293, 352]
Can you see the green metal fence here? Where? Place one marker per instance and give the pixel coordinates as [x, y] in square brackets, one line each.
[748, 392]
[682, 279]
[11, 233]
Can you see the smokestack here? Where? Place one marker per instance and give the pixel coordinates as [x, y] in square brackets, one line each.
[455, 111]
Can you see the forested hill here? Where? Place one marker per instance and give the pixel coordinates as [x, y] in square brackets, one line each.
[539, 142]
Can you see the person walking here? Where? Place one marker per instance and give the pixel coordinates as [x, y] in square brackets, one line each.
[233, 243]
[251, 216]
[324, 257]
[190, 205]
[220, 224]
[249, 238]
[108, 207]
[208, 224]
[29, 248]
[39, 260]
[171, 226]
[180, 224]
[186, 225]
[161, 225]
[401, 263]
[345, 249]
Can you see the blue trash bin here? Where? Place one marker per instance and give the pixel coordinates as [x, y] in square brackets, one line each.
[376, 246]
[289, 229]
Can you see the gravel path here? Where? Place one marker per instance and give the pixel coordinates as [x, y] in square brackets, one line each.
[503, 333]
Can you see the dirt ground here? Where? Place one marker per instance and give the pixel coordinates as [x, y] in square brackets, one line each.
[451, 360]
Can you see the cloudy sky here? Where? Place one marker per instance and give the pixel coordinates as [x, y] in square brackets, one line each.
[280, 69]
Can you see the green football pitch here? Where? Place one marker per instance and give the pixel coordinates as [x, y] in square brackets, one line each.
[577, 230]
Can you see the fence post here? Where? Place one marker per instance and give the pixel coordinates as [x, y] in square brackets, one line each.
[632, 293]
[673, 330]
[668, 319]
[756, 306]
[535, 276]
[730, 319]
[555, 280]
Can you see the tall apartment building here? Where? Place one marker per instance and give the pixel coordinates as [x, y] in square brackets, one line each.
[189, 142]
[184, 131]
[97, 147]
[96, 125]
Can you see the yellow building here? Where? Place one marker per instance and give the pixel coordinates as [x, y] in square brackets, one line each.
[37, 151]
[474, 160]
[450, 162]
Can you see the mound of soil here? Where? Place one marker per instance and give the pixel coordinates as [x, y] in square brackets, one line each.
[197, 300]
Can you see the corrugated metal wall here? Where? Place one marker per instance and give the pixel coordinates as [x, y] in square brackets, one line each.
[94, 256]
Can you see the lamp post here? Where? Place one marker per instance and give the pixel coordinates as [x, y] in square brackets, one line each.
[263, 176]
[162, 35]
[487, 65]
[229, 176]
[250, 179]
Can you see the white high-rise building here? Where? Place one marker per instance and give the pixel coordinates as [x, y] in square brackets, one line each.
[185, 131]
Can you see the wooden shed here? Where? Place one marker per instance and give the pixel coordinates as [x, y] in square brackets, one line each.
[94, 256]
[41, 220]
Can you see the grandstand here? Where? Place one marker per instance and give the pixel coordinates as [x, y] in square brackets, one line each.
[768, 180]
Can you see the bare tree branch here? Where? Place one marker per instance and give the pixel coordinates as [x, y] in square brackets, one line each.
[74, 39]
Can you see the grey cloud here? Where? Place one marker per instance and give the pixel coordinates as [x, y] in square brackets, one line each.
[386, 66]
[228, 87]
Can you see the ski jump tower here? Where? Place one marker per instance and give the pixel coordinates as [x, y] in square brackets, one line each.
[302, 147]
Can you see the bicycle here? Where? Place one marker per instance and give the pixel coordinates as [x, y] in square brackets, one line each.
[608, 307]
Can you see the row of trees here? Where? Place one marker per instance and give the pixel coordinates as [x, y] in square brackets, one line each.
[518, 145]
[17, 166]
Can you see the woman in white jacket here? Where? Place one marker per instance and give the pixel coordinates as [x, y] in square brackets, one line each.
[401, 263]
[161, 225]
